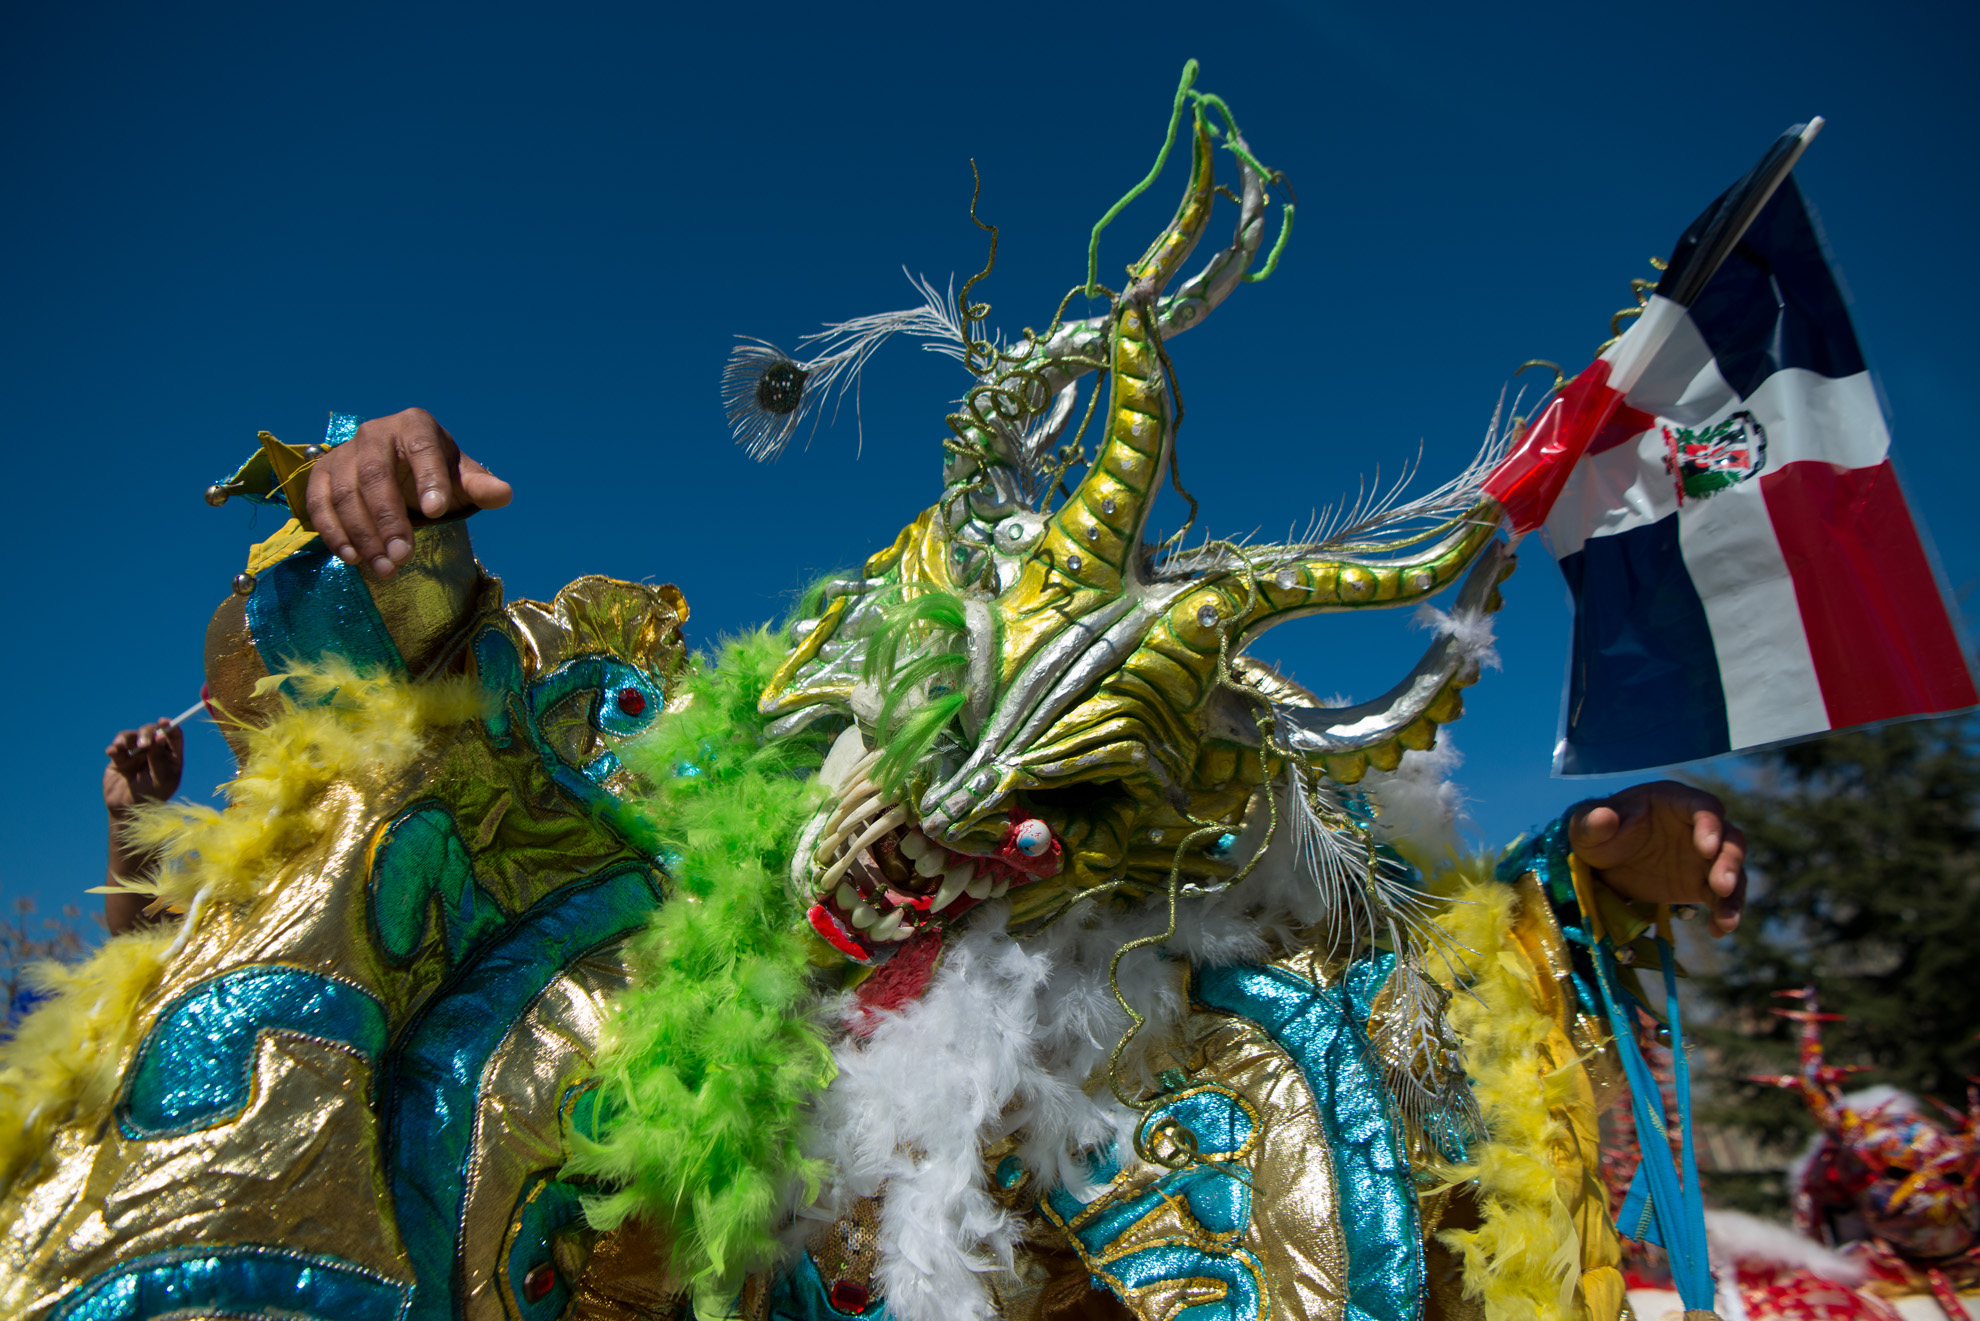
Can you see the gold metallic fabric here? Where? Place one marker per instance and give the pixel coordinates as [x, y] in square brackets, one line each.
[311, 1154]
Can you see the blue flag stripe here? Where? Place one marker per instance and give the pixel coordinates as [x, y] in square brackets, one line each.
[1643, 680]
[1775, 303]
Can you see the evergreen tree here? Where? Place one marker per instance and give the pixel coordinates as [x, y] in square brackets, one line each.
[1864, 850]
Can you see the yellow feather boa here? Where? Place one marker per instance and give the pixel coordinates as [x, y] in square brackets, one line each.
[1544, 1248]
[66, 1056]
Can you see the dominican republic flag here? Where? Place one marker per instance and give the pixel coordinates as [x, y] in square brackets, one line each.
[1718, 490]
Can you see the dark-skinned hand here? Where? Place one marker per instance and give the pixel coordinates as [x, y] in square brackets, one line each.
[145, 765]
[363, 493]
[1665, 843]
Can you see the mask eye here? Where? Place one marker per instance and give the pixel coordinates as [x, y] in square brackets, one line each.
[1032, 838]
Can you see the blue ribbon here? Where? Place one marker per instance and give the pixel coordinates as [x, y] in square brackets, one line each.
[1664, 1205]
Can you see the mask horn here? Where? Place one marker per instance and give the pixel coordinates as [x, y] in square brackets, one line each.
[1093, 537]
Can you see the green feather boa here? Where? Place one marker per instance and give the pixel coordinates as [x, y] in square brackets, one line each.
[709, 1059]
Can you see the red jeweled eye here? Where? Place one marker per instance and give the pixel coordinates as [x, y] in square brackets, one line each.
[632, 701]
[539, 1282]
[849, 1296]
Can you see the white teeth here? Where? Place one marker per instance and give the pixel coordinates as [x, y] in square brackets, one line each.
[914, 844]
[867, 836]
[930, 863]
[905, 933]
[885, 928]
[847, 896]
[953, 882]
[858, 795]
[1000, 889]
[978, 888]
[864, 917]
[847, 758]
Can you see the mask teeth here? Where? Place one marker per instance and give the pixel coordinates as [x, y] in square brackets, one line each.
[858, 825]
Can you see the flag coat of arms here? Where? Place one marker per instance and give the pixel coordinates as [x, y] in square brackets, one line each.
[1718, 490]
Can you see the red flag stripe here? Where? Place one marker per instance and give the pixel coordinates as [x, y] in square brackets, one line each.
[1882, 643]
[1527, 482]
[1627, 424]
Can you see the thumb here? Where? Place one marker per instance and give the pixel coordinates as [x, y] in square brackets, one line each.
[1594, 827]
[482, 487]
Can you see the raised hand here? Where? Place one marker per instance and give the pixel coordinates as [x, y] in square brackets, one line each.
[362, 492]
[1665, 843]
[145, 765]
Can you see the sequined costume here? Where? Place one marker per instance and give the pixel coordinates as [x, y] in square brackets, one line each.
[1124, 996]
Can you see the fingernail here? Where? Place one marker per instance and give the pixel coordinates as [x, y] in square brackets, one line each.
[398, 548]
[347, 555]
[434, 503]
[382, 567]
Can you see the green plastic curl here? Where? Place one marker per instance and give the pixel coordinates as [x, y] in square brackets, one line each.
[1175, 118]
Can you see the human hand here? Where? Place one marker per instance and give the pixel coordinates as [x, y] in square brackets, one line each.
[145, 765]
[361, 492]
[1665, 843]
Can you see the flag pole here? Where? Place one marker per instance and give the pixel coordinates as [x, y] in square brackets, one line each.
[1529, 478]
[1701, 252]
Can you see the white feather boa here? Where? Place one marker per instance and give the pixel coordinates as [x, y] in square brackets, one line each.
[1013, 1037]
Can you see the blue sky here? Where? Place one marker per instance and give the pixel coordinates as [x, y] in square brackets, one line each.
[545, 224]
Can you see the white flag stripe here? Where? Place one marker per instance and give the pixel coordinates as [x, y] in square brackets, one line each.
[1765, 666]
[1813, 417]
[1806, 416]
[1668, 377]
[1611, 492]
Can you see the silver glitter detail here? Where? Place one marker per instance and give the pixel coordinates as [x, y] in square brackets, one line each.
[1093, 532]
[1206, 615]
[1107, 505]
[1286, 578]
[1154, 837]
[1072, 563]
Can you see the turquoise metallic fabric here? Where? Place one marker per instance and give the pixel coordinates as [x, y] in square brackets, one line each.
[1319, 1027]
[195, 1067]
[248, 1281]
[1546, 856]
[436, 1070]
[545, 1208]
[1218, 1195]
[311, 605]
[800, 1295]
[422, 855]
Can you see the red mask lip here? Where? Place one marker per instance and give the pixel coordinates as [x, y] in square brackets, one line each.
[837, 934]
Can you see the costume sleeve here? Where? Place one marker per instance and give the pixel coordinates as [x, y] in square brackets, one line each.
[1543, 1071]
[295, 602]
